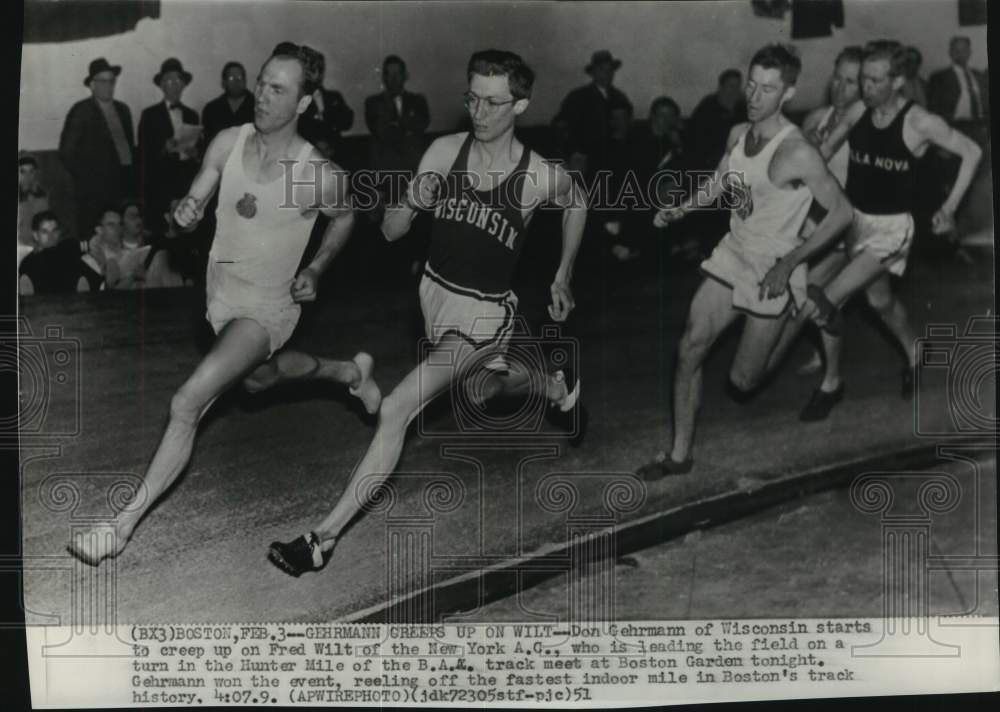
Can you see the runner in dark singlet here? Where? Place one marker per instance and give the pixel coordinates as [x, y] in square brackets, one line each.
[483, 188]
[885, 135]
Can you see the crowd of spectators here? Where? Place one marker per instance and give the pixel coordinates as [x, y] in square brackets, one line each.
[125, 183]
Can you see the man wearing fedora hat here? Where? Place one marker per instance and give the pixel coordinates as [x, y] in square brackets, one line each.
[167, 163]
[587, 109]
[97, 147]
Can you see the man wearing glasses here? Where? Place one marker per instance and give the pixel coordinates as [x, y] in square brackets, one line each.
[483, 187]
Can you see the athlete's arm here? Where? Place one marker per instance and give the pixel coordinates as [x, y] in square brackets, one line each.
[556, 187]
[839, 132]
[801, 162]
[422, 192]
[336, 205]
[810, 125]
[708, 191]
[191, 208]
[931, 128]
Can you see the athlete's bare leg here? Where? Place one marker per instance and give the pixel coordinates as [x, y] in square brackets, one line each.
[866, 271]
[241, 345]
[711, 312]
[429, 379]
[296, 365]
[821, 274]
[893, 314]
[756, 344]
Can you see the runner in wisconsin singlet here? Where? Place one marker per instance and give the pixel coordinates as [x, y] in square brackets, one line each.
[477, 235]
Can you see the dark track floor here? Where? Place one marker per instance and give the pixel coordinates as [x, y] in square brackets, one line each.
[267, 467]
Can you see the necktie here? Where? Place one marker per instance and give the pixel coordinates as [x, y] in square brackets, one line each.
[973, 88]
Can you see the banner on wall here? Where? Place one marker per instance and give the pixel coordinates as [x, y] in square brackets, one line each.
[67, 20]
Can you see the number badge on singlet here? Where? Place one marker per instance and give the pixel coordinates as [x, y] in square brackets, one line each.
[247, 206]
[740, 198]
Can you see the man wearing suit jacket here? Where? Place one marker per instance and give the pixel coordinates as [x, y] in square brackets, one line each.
[587, 109]
[97, 147]
[167, 163]
[397, 120]
[234, 107]
[960, 94]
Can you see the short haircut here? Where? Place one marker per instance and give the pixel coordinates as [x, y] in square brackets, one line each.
[730, 74]
[43, 216]
[852, 53]
[661, 102]
[117, 210]
[500, 63]
[779, 56]
[233, 65]
[128, 203]
[312, 63]
[620, 105]
[393, 59]
[889, 50]
[26, 160]
[960, 38]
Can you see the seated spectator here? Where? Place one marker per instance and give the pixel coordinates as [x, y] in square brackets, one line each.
[705, 143]
[123, 266]
[52, 264]
[159, 268]
[658, 155]
[31, 197]
[712, 119]
[658, 144]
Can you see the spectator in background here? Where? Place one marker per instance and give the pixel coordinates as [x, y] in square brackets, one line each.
[587, 111]
[658, 144]
[158, 264]
[122, 265]
[327, 115]
[657, 152]
[704, 143]
[712, 119]
[97, 147]
[31, 197]
[234, 107]
[53, 266]
[168, 139]
[960, 94]
[397, 120]
[620, 163]
[914, 88]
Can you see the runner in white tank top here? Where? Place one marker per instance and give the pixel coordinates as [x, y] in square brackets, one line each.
[773, 173]
[254, 284]
[845, 90]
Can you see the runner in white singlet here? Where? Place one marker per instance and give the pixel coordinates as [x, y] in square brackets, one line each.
[845, 90]
[273, 184]
[773, 173]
